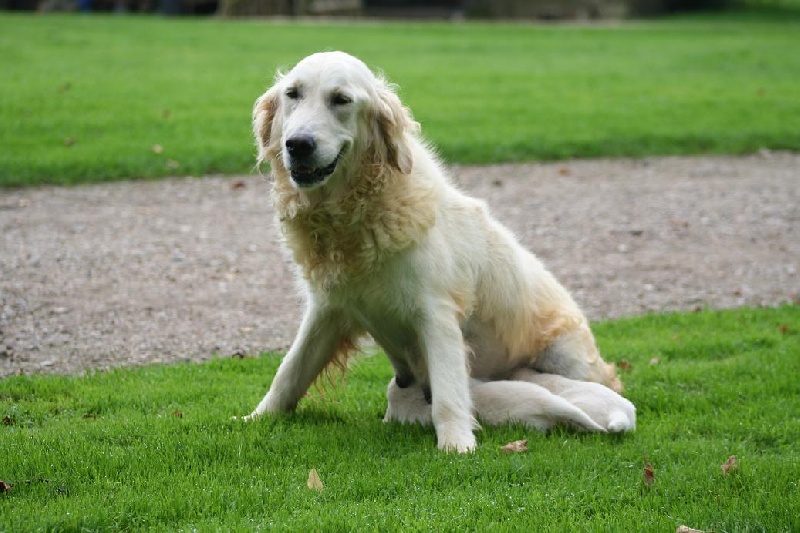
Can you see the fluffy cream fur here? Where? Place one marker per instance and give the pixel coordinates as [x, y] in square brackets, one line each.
[387, 246]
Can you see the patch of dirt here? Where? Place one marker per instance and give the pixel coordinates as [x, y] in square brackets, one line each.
[93, 277]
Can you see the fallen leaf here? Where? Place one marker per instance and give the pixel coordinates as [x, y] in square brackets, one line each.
[158, 149]
[784, 329]
[238, 184]
[730, 465]
[624, 365]
[497, 182]
[649, 474]
[687, 529]
[564, 171]
[4, 487]
[177, 414]
[9, 420]
[654, 361]
[518, 446]
[314, 482]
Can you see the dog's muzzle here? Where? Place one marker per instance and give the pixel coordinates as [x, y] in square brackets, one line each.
[307, 176]
[301, 150]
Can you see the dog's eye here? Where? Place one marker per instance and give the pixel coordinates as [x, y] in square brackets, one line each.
[292, 93]
[338, 99]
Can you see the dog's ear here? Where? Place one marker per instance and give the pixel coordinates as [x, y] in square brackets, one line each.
[394, 124]
[264, 112]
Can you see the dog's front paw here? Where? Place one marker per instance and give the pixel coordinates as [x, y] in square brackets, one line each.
[456, 441]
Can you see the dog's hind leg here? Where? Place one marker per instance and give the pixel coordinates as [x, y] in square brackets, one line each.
[574, 354]
[498, 402]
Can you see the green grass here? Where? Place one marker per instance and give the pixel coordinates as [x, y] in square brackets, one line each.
[107, 451]
[86, 98]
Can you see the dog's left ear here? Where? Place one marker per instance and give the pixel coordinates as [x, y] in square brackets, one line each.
[395, 123]
[264, 112]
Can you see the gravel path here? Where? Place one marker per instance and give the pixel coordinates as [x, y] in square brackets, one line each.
[185, 269]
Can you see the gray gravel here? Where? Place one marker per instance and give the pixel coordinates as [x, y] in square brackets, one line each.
[184, 269]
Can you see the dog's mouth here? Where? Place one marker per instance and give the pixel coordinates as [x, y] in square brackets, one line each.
[306, 176]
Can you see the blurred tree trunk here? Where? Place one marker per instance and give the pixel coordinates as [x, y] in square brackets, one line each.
[271, 8]
[254, 8]
[547, 9]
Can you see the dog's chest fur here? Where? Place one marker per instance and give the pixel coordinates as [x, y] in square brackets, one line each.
[343, 240]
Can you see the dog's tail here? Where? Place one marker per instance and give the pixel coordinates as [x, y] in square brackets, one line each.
[498, 402]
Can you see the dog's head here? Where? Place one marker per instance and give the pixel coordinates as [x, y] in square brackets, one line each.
[327, 115]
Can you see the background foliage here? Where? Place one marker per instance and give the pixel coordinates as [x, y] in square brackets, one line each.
[94, 98]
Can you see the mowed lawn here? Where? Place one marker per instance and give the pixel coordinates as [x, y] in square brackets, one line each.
[155, 447]
[94, 98]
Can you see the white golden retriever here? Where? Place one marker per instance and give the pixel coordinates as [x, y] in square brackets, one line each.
[387, 246]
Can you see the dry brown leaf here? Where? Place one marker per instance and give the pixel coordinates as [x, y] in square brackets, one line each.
[730, 465]
[624, 365]
[687, 529]
[518, 446]
[4, 487]
[238, 184]
[564, 171]
[649, 474]
[314, 482]
[177, 413]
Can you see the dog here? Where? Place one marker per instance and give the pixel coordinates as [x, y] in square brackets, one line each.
[495, 403]
[387, 246]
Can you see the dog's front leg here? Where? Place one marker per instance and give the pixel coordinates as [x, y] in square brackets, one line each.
[445, 355]
[320, 335]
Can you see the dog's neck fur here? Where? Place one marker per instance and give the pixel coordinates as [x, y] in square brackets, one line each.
[337, 239]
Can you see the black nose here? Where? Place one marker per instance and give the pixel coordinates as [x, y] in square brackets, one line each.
[301, 146]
